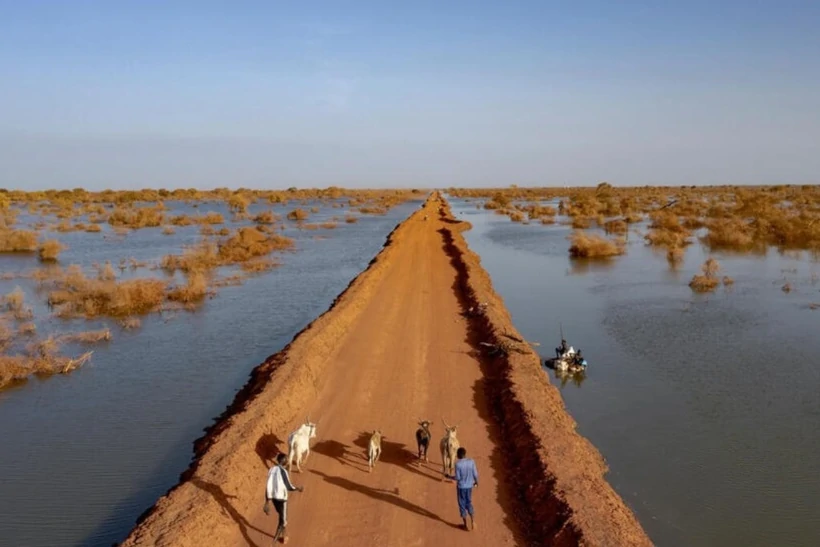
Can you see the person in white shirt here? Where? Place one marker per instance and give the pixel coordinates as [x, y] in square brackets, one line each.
[276, 490]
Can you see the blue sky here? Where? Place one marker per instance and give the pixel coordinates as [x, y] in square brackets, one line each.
[274, 94]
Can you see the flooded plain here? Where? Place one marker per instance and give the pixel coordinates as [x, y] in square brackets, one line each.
[83, 455]
[706, 407]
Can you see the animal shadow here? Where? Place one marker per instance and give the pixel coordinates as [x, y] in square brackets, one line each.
[267, 448]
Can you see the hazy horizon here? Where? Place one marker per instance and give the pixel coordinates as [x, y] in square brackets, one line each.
[198, 94]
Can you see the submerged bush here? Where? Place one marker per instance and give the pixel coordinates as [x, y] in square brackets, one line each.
[585, 245]
[18, 241]
[708, 280]
[49, 250]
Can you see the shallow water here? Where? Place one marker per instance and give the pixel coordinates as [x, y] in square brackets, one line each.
[706, 408]
[83, 455]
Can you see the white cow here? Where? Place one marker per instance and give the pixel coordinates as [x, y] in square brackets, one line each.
[299, 444]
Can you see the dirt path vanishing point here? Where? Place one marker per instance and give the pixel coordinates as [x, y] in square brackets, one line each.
[394, 348]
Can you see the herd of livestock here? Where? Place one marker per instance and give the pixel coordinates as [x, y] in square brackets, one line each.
[299, 445]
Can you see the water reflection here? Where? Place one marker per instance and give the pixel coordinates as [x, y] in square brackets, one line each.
[583, 266]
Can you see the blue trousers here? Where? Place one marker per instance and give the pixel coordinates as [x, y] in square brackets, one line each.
[465, 501]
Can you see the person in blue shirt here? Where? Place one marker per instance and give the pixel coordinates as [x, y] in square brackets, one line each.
[466, 476]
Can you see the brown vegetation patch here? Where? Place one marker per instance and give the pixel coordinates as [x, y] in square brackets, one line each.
[708, 280]
[586, 245]
[18, 241]
[50, 250]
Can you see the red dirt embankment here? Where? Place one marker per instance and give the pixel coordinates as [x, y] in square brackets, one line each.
[393, 348]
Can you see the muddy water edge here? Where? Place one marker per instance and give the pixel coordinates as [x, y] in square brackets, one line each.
[705, 407]
[83, 455]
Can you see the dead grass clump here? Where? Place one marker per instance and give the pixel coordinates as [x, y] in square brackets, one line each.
[786, 288]
[203, 256]
[728, 233]
[298, 214]
[143, 217]
[194, 290]
[93, 228]
[329, 225]
[248, 243]
[585, 245]
[728, 281]
[547, 220]
[49, 250]
[517, 216]
[350, 219]
[708, 280]
[581, 222]
[18, 241]
[616, 226]
[266, 217]
[168, 230]
[78, 296]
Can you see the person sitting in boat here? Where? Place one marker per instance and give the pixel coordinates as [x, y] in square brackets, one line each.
[579, 359]
[562, 349]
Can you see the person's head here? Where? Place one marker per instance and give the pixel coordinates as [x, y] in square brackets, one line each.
[281, 459]
[461, 453]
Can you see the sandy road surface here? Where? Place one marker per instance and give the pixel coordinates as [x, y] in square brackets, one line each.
[405, 358]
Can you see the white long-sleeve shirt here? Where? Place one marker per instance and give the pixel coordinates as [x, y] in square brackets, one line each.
[278, 484]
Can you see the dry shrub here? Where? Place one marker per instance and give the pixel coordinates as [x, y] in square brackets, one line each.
[41, 358]
[585, 245]
[93, 228]
[202, 256]
[49, 250]
[708, 280]
[329, 225]
[375, 210]
[350, 219]
[728, 233]
[144, 217]
[314, 209]
[207, 230]
[194, 290]
[78, 296]
[248, 243]
[168, 231]
[265, 217]
[786, 288]
[547, 220]
[580, 222]
[728, 281]
[616, 226]
[18, 241]
[298, 214]
[517, 216]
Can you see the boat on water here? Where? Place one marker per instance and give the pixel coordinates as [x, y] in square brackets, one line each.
[567, 360]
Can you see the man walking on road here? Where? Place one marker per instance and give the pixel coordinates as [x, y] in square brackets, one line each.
[277, 488]
[466, 479]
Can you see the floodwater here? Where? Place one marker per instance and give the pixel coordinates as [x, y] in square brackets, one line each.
[706, 407]
[83, 455]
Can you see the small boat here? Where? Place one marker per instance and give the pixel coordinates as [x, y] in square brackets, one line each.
[569, 361]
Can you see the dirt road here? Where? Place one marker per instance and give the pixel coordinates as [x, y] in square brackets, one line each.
[396, 347]
[407, 357]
